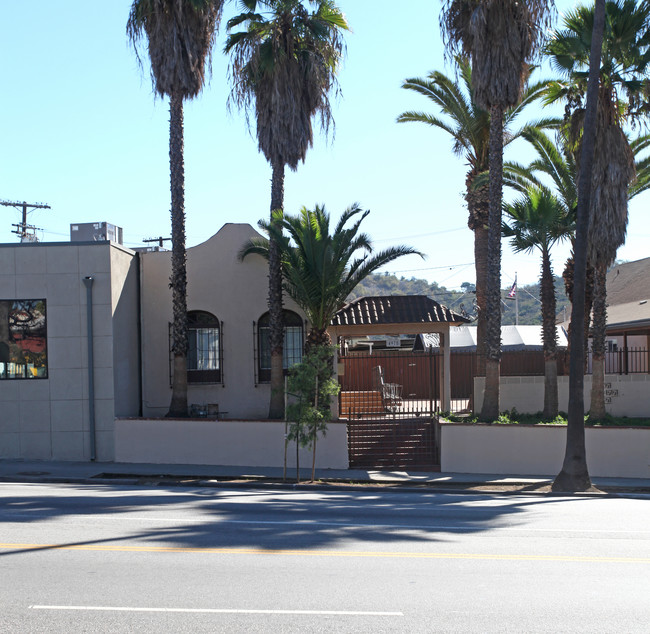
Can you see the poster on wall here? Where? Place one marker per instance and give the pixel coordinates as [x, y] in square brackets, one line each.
[23, 339]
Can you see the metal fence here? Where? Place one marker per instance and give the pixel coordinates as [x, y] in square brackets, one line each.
[407, 385]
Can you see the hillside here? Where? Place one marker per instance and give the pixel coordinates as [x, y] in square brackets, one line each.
[460, 301]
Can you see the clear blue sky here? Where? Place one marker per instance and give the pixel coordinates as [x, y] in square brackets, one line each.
[81, 131]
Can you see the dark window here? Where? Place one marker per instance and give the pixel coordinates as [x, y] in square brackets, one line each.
[23, 339]
[293, 343]
[204, 348]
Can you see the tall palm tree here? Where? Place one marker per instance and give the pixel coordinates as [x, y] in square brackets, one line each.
[624, 61]
[574, 474]
[322, 267]
[469, 127]
[538, 220]
[556, 160]
[180, 35]
[499, 37]
[283, 67]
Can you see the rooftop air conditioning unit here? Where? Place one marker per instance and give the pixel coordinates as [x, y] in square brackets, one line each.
[95, 232]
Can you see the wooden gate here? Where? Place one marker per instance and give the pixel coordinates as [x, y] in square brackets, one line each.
[394, 444]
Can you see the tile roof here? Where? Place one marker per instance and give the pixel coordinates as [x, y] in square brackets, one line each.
[395, 309]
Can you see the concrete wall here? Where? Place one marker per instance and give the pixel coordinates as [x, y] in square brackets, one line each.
[211, 442]
[625, 395]
[236, 293]
[539, 450]
[49, 418]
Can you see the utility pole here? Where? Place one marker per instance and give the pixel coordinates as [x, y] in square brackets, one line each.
[159, 240]
[26, 232]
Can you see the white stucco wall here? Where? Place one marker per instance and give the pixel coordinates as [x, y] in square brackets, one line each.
[233, 291]
[49, 418]
[211, 442]
[539, 450]
[625, 395]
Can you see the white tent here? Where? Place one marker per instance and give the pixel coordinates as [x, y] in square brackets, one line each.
[512, 337]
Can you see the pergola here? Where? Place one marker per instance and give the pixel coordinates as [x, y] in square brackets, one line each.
[395, 315]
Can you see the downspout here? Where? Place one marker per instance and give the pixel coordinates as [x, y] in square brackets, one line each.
[88, 282]
[138, 268]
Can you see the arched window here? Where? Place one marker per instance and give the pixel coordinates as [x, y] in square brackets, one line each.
[294, 341]
[204, 348]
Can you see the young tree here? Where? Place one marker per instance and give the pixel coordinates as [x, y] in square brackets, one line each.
[499, 37]
[311, 384]
[180, 35]
[283, 68]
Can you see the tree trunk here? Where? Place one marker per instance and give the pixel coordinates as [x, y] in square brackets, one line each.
[597, 409]
[549, 337]
[478, 205]
[574, 475]
[480, 259]
[178, 280]
[276, 326]
[490, 410]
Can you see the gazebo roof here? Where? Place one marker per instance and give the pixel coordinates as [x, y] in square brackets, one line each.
[395, 309]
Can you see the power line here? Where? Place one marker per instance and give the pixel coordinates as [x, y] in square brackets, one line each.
[420, 235]
[26, 232]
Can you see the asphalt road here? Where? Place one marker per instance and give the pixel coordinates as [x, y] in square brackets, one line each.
[77, 558]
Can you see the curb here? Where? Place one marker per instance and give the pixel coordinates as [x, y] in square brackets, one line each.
[322, 485]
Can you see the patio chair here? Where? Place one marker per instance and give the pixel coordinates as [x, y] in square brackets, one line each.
[391, 393]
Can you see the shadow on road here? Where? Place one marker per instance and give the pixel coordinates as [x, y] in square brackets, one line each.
[209, 518]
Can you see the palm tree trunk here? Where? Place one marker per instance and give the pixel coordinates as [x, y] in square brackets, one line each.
[276, 326]
[597, 409]
[178, 280]
[481, 264]
[549, 337]
[574, 475]
[490, 410]
[478, 205]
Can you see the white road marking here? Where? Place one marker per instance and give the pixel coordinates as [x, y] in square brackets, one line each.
[99, 608]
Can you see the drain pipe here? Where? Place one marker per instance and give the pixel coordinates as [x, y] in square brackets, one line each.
[88, 281]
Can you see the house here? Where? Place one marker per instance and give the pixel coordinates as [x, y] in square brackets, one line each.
[229, 355]
[53, 294]
[628, 311]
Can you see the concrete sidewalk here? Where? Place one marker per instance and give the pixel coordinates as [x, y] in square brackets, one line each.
[123, 473]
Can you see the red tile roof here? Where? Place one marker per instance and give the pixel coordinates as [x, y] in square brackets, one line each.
[395, 309]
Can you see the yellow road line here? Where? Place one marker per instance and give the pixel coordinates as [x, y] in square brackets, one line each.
[322, 553]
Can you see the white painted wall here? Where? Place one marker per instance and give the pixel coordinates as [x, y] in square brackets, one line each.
[539, 450]
[233, 291]
[212, 442]
[625, 395]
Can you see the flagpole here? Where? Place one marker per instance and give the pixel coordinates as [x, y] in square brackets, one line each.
[516, 301]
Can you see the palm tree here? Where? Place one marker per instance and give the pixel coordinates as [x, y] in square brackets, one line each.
[469, 127]
[538, 220]
[180, 35]
[283, 67]
[624, 60]
[574, 475]
[321, 268]
[556, 161]
[499, 37]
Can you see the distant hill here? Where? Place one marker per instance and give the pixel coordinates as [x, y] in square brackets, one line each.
[463, 301]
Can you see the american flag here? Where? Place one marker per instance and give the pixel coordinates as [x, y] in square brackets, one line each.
[513, 291]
